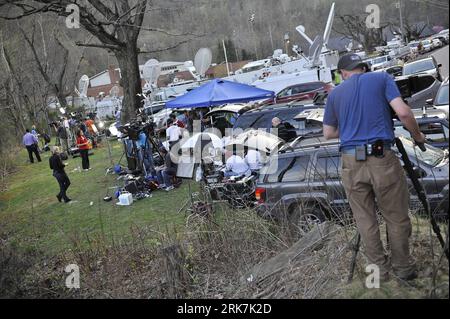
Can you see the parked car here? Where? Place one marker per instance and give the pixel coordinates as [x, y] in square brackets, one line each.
[427, 45]
[422, 88]
[437, 43]
[300, 92]
[441, 100]
[432, 123]
[154, 108]
[381, 62]
[396, 70]
[423, 66]
[303, 183]
[444, 33]
[442, 38]
[261, 118]
[414, 46]
[225, 117]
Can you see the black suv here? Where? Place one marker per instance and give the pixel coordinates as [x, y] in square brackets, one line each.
[303, 182]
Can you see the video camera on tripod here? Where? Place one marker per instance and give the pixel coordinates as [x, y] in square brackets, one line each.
[134, 128]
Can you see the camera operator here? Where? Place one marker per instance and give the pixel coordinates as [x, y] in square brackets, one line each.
[63, 137]
[358, 112]
[146, 153]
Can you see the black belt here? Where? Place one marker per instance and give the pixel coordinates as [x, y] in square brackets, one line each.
[352, 151]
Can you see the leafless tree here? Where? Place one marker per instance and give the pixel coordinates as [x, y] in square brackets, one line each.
[56, 84]
[354, 26]
[116, 24]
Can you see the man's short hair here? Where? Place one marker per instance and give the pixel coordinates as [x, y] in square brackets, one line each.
[276, 121]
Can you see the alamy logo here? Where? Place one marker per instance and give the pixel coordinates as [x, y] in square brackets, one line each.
[73, 280]
[373, 279]
[73, 19]
[373, 19]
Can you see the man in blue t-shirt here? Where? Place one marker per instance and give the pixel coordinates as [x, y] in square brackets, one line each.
[358, 112]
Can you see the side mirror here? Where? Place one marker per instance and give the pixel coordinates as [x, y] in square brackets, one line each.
[440, 65]
[429, 102]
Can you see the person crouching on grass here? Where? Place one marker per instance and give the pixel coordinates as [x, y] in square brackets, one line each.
[57, 166]
[83, 146]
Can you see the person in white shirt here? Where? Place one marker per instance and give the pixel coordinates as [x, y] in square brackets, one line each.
[173, 133]
[253, 160]
[236, 166]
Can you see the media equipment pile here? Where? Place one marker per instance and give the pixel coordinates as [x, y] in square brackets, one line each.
[237, 191]
[137, 181]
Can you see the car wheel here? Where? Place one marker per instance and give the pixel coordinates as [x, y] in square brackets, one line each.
[303, 218]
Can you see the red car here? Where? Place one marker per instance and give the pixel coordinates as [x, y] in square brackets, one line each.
[300, 92]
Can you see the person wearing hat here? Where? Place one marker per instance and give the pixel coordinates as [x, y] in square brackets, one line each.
[358, 111]
[57, 166]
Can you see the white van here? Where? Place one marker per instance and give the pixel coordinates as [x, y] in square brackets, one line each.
[381, 62]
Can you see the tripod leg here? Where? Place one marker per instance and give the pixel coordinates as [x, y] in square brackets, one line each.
[355, 254]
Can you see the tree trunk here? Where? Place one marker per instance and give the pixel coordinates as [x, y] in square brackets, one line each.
[127, 58]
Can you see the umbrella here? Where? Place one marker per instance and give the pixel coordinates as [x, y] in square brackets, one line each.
[192, 142]
[219, 92]
[258, 140]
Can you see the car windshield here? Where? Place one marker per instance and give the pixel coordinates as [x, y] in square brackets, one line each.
[418, 67]
[253, 68]
[379, 60]
[246, 121]
[162, 113]
[432, 157]
[442, 96]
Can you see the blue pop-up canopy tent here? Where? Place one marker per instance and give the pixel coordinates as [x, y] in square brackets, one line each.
[218, 92]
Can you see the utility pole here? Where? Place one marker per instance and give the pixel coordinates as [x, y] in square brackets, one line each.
[226, 57]
[399, 6]
[271, 37]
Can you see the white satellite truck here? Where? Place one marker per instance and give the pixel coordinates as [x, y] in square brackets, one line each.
[274, 73]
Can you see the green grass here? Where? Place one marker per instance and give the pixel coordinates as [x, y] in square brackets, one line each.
[32, 217]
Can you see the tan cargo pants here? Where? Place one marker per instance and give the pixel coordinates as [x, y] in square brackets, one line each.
[381, 182]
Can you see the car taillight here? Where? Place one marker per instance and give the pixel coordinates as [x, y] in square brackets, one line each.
[260, 194]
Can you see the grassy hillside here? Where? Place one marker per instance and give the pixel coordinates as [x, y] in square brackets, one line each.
[153, 249]
[32, 216]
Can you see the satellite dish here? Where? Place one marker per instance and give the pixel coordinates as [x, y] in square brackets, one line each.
[83, 85]
[202, 61]
[301, 29]
[315, 49]
[151, 71]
